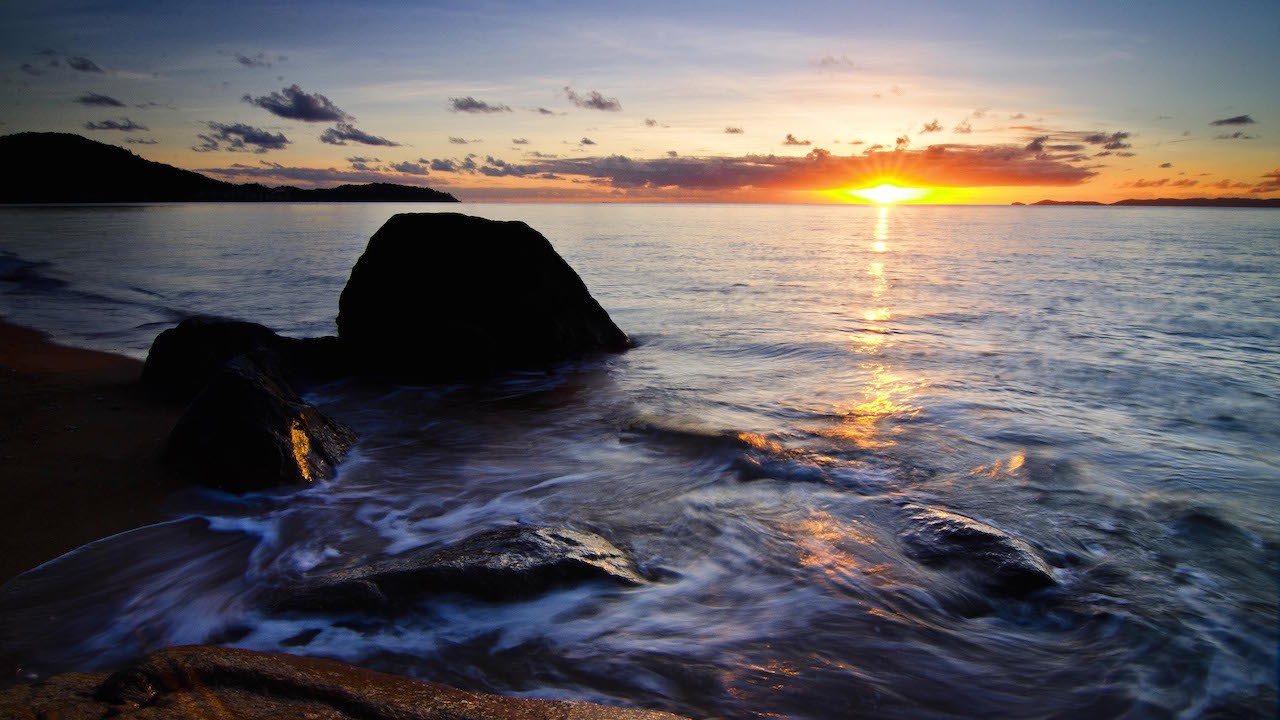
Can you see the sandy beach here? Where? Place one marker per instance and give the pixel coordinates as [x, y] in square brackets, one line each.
[79, 448]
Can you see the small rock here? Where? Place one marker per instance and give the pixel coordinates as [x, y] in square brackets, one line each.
[1004, 563]
[502, 564]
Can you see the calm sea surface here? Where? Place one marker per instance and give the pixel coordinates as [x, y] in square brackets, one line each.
[1103, 383]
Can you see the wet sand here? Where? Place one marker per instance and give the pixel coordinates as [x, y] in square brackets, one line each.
[79, 448]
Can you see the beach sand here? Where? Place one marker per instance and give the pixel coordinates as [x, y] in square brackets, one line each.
[80, 441]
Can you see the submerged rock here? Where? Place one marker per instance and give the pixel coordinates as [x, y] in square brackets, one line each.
[246, 431]
[502, 564]
[200, 681]
[446, 296]
[1004, 563]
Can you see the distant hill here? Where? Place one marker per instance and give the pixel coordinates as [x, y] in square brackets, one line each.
[1176, 202]
[66, 168]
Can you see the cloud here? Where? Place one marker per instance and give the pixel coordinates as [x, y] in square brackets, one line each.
[832, 62]
[83, 64]
[1162, 182]
[1114, 141]
[592, 101]
[30, 69]
[254, 61]
[964, 128]
[791, 140]
[346, 132]
[937, 165]
[458, 141]
[901, 142]
[123, 125]
[295, 104]
[586, 141]
[1237, 135]
[544, 111]
[1237, 120]
[240, 138]
[1037, 144]
[733, 131]
[519, 141]
[1166, 165]
[672, 153]
[361, 159]
[96, 100]
[932, 127]
[1270, 182]
[650, 122]
[409, 168]
[469, 104]
[142, 141]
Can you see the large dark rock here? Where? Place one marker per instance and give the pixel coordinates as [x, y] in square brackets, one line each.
[183, 359]
[1002, 562]
[246, 431]
[200, 681]
[444, 296]
[501, 564]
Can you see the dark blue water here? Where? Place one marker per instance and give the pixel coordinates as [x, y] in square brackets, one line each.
[1103, 383]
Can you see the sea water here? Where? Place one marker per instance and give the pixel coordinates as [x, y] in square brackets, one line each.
[1101, 382]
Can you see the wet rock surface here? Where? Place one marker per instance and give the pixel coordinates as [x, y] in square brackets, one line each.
[1003, 563]
[213, 682]
[247, 430]
[444, 296]
[502, 564]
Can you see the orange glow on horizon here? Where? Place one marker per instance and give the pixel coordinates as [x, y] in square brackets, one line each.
[888, 194]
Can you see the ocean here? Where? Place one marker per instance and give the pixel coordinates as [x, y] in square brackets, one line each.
[1101, 382]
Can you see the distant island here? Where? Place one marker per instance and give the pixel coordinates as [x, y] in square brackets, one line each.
[67, 168]
[1174, 202]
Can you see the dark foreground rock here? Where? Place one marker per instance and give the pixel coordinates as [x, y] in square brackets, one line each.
[247, 430]
[446, 296]
[1003, 563]
[507, 563]
[213, 682]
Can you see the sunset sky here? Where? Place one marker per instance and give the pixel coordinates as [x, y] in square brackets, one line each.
[702, 101]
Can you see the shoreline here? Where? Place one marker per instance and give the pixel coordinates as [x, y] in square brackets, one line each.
[80, 445]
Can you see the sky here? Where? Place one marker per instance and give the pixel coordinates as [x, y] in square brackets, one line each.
[970, 102]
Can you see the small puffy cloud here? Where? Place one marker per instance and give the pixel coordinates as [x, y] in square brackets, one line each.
[239, 137]
[123, 125]
[1166, 165]
[672, 153]
[543, 111]
[83, 64]
[346, 132]
[733, 130]
[1113, 141]
[1237, 120]
[96, 100]
[253, 61]
[440, 165]
[901, 142]
[519, 141]
[542, 155]
[469, 104]
[650, 122]
[1037, 144]
[361, 159]
[30, 69]
[294, 103]
[586, 141]
[964, 128]
[142, 141]
[1237, 135]
[931, 127]
[593, 100]
[409, 168]
[458, 141]
[792, 140]
[831, 62]
[1270, 182]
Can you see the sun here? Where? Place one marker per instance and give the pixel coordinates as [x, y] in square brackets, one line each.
[886, 194]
